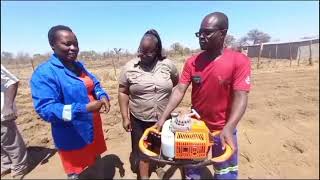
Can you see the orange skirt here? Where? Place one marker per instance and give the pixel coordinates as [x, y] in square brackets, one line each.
[75, 161]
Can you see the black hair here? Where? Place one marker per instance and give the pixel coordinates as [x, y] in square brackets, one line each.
[154, 33]
[53, 31]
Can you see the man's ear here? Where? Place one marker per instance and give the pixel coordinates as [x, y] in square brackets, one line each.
[52, 47]
[224, 32]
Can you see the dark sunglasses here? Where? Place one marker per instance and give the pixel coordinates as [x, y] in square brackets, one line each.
[208, 33]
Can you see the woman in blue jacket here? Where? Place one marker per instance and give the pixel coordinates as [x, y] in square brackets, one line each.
[69, 97]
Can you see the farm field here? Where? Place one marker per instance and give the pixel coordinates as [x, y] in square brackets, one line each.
[278, 135]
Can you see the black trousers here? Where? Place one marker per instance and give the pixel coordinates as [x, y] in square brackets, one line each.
[138, 128]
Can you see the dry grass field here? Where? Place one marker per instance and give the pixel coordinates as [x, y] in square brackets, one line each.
[278, 135]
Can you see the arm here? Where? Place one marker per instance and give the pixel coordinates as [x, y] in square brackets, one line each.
[177, 92]
[239, 105]
[46, 99]
[98, 91]
[241, 87]
[101, 95]
[174, 75]
[175, 80]
[174, 100]
[123, 98]
[10, 83]
[10, 94]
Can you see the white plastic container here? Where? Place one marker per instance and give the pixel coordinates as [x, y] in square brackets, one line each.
[167, 140]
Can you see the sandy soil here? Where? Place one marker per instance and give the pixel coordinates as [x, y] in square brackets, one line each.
[278, 136]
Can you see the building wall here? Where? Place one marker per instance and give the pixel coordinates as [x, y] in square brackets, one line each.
[282, 51]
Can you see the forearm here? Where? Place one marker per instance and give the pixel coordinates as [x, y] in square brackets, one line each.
[55, 111]
[10, 94]
[100, 93]
[123, 103]
[238, 108]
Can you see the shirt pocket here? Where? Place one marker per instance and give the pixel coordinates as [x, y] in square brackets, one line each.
[135, 78]
[165, 73]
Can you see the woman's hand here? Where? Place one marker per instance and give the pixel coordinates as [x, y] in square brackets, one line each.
[94, 105]
[126, 123]
[105, 104]
[159, 124]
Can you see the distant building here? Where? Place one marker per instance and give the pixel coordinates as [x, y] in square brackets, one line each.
[300, 49]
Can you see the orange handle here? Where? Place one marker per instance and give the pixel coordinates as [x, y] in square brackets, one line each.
[143, 146]
[226, 155]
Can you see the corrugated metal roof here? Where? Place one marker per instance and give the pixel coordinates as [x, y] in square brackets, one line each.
[284, 42]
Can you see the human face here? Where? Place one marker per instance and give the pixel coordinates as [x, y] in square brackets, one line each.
[210, 39]
[148, 50]
[65, 46]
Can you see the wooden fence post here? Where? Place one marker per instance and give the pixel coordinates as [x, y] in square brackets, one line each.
[32, 64]
[290, 54]
[270, 57]
[117, 51]
[299, 51]
[275, 61]
[310, 52]
[260, 51]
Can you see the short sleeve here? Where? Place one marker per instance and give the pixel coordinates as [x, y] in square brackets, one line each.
[7, 78]
[123, 79]
[173, 71]
[242, 73]
[185, 77]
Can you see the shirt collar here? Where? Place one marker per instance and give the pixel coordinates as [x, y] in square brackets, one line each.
[136, 61]
[55, 60]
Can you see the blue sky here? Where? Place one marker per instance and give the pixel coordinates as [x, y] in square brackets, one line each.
[103, 25]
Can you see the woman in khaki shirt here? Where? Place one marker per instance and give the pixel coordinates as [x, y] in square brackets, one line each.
[145, 85]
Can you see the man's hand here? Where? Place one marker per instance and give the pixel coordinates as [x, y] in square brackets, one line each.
[105, 104]
[8, 113]
[94, 106]
[226, 136]
[126, 123]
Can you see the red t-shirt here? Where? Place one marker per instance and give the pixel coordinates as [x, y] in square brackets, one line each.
[213, 83]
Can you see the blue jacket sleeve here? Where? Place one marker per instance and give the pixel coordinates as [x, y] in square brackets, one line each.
[46, 95]
[98, 91]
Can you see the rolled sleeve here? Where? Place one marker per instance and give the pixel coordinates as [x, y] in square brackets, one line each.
[123, 79]
[185, 77]
[7, 78]
[174, 74]
[67, 112]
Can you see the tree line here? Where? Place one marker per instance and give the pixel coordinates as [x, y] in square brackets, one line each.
[254, 36]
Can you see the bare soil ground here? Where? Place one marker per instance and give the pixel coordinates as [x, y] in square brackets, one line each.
[278, 135]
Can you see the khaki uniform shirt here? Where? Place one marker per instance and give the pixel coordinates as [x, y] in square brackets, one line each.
[149, 90]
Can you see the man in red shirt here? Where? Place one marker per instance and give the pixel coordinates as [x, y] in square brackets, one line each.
[220, 81]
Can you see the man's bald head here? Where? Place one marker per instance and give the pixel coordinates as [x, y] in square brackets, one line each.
[213, 31]
[216, 20]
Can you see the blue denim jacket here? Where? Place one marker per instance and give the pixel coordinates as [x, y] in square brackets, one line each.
[60, 97]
